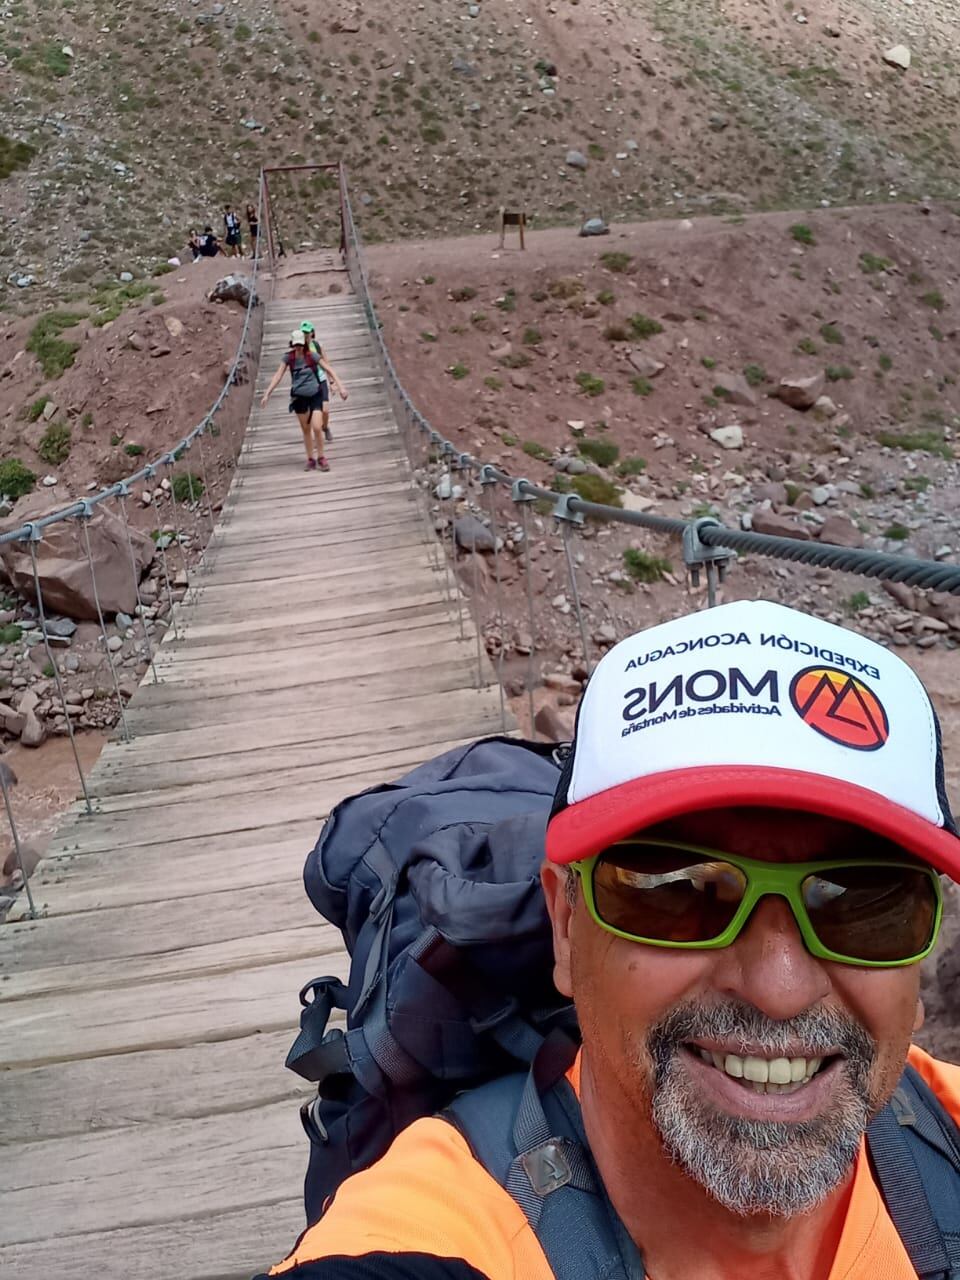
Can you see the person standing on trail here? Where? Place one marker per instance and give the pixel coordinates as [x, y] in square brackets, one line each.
[314, 346]
[308, 394]
[232, 224]
[253, 222]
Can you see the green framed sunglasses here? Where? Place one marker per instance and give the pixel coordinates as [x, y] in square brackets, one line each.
[876, 913]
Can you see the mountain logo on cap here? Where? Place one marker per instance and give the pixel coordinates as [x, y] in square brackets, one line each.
[840, 707]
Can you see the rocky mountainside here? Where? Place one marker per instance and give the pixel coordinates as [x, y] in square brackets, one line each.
[126, 125]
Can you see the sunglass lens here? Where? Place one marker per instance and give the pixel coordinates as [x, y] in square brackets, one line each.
[665, 894]
[865, 912]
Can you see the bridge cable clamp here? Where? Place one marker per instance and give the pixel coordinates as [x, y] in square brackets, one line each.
[697, 554]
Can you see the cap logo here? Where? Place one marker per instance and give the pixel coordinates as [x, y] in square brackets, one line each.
[840, 707]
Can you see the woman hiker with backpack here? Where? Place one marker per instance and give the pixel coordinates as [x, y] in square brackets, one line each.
[309, 391]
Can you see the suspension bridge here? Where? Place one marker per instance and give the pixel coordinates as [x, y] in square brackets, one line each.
[148, 1126]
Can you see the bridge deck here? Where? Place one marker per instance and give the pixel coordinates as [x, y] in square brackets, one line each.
[147, 1124]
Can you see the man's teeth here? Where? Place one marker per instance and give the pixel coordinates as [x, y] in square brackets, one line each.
[766, 1075]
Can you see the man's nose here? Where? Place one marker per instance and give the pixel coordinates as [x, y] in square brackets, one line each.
[769, 967]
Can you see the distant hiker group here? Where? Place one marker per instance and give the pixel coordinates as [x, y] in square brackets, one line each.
[207, 244]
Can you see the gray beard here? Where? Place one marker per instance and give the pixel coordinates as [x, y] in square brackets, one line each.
[757, 1167]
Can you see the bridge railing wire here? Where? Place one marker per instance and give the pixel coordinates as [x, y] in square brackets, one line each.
[77, 515]
[708, 546]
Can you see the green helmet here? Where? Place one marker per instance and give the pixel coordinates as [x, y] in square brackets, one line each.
[307, 326]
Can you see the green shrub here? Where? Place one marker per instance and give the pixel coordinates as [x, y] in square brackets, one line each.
[242, 32]
[429, 279]
[917, 484]
[531, 337]
[14, 155]
[458, 371]
[644, 326]
[644, 567]
[162, 269]
[565, 288]
[432, 134]
[708, 362]
[606, 298]
[831, 334]
[533, 449]
[616, 333]
[10, 634]
[641, 386]
[633, 466]
[54, 355]
[839, 373]
[590, 385]
[885, 363]
[186, 487]
[133, 450]
[494, 383]
[618, 262]
[807, 347]
[33, 411]
[933, 299]
[15, 478]
[912, 441]
[755, 374]
[515, 360]
[508, 302]
[463, 293]
[897, 532]
[871, 265]
[54, 446]
[802, 233]
[596, 489]
[855, 603]
[603, 452]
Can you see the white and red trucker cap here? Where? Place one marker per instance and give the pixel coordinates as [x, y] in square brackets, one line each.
[754, 704]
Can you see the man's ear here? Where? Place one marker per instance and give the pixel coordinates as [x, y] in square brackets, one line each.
[920, 1016]
[560, 905]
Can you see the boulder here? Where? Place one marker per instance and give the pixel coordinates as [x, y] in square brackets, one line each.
[594, 227]
[65, 578]
[801, 393]
[576, 159]
[554, 724]
[841, 532]
[779, 526]
[730, 437]
[899, 56]
[645, 364]
[473, 535]
[736, 389]
[905, 596]
[233, 288]
[34, 731]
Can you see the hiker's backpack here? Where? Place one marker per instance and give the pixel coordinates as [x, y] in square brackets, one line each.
[434, 883]
[304, 374]
[451, 1009]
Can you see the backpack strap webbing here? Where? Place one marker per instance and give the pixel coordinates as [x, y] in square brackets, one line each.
[914, 1150]
[526, 1132]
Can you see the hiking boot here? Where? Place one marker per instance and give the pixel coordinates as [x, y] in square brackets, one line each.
[327, 433]
[311, 464]
[323, 464]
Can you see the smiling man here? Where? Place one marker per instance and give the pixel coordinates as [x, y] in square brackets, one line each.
[742, 877]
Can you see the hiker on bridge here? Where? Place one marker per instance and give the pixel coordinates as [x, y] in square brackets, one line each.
[309, 392]
[742, 874]
[314, 346]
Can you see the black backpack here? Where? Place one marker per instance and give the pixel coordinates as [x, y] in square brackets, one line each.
[450, 1008]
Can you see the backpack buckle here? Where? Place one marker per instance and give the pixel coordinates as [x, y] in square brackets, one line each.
[547, 1166]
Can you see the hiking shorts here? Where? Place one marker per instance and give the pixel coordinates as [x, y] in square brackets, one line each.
[233, 237]
[311, 404]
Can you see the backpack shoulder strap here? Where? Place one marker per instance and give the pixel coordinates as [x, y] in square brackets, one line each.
[526, 1132]
[914, 1150]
